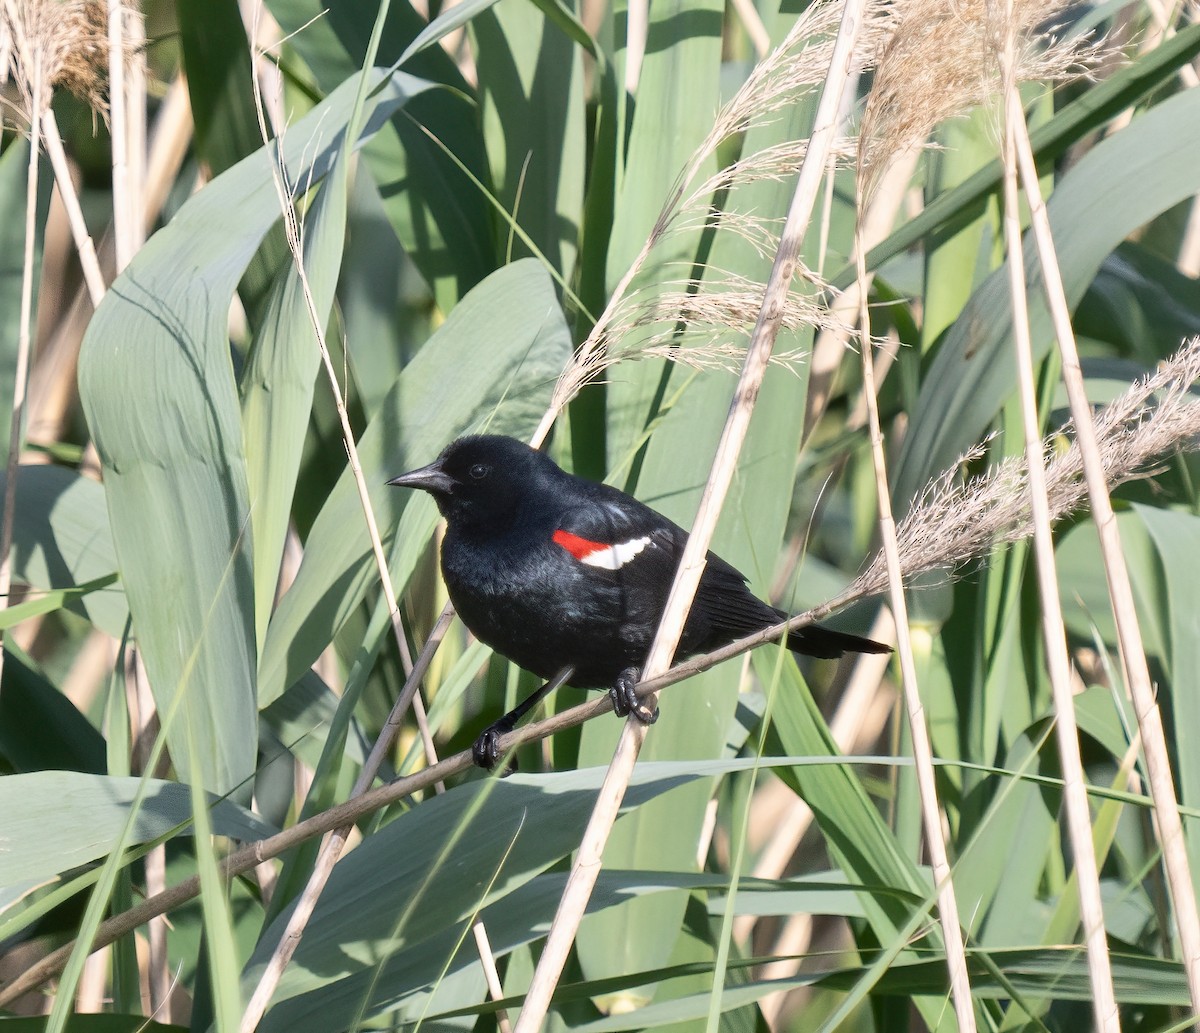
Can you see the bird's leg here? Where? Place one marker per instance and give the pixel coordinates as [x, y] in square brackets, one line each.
[485, 751]
[625, 699]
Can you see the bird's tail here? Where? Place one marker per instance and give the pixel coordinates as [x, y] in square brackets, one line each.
[827, 644]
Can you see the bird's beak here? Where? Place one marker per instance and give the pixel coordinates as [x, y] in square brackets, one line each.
[431, 478]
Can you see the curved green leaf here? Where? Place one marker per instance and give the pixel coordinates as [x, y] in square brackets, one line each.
[157, 386]
[61, 540]
[58, 820]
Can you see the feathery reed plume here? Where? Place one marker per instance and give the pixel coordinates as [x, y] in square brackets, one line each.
[709, 308]
[58, 44]
[797, 67]
[940, 60]
[953, 522]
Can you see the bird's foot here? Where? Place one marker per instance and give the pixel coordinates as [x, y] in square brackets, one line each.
[485, 751]
[625, 699]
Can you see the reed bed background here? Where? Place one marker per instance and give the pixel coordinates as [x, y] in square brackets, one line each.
[894, 304]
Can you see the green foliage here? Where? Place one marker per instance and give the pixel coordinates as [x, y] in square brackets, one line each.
[460, 233]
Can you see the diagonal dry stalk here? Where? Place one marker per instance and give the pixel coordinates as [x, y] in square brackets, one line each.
[586, 866]
[942, 530]
[1133, 655]
[1054, 634]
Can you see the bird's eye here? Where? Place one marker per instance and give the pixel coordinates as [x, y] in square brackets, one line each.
[479, 471]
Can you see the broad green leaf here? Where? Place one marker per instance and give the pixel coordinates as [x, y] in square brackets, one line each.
[449, 20]
[1137, 979]
[1176, 538]
[384, 305]
[855, 834]
[956, 263]
[1141, 303]
[996, 896]
[1116, 187]
[300, 719]
[359, 918]
[677, 100]
[532, 109]
[61, 539]
[277, 384]
[220, 947]
[490, 366]
[58, 820]
[48, 602]
[1083, 589]
[175, 476]
[436, 212]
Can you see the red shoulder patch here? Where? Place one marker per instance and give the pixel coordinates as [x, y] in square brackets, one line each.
[578, 547]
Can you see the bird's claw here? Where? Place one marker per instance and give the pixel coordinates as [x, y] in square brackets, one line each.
[485, 751]
[625, 699]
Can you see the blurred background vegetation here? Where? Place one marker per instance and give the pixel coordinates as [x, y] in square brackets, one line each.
[194, 598]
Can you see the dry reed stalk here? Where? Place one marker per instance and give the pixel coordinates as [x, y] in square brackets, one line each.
[490, 974]
[1054, 632]
[637, 28]
[922, 748]
[586, 866]
[24, 346]
[1154, 743]
[753, 24]
[125, 219]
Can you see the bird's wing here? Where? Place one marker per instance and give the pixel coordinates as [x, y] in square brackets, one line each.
[619, 534]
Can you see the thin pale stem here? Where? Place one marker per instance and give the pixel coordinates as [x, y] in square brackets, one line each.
[88, 261]
[124, 216]
[490, 974]
[586, 867]
[1075, 802]
[931, 815]
[637, 23]
[1129, 635]
[753, 24]
[24, 344]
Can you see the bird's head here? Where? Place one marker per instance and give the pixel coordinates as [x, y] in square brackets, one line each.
[480, 480]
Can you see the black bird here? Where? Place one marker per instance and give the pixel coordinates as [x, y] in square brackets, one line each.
[555, 572]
